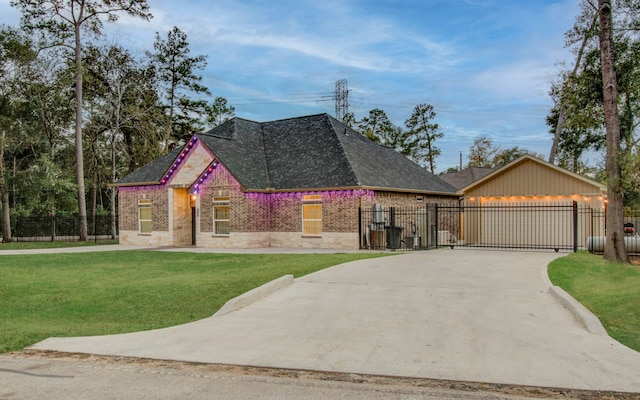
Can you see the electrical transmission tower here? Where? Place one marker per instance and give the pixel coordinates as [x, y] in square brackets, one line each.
[341, 97]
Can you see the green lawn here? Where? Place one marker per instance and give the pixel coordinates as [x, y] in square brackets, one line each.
[123, 291]
[611, 291]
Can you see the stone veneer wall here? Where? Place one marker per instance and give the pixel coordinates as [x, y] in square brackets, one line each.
[328, 240]
[180, 218]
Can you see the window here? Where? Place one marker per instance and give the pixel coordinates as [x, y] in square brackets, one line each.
[312, 215]
[221, 215]
[144, 216]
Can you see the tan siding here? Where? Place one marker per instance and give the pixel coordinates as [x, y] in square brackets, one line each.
[532, 179]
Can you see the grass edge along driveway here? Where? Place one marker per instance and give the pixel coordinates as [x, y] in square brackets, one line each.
[103, 293]
[610, 290]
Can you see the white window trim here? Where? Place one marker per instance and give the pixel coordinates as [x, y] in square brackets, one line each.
[311, 200]
[219, 203]
[144, 203]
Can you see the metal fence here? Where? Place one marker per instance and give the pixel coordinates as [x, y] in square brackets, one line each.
[395, 228]
[59, 229]
[557, 227]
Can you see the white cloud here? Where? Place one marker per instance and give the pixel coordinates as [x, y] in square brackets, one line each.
[522, 80]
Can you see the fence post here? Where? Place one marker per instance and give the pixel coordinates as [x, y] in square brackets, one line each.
[437, 225]
[360, 227]
[575, 226]
[391, 234]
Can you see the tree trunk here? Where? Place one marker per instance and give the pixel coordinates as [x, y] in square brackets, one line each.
[4, 192]
[82, 205]
[614, 249]
[112, 190]
[94, 203]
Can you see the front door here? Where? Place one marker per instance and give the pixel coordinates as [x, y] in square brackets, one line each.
[193, 226]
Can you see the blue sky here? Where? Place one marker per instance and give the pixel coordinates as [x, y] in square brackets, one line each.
[485, 65]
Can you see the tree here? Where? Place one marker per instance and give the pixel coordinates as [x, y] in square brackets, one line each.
[583, 31]
[48, 187]
[218, 112]
[482, 152]
[16, 56]
[64, 23]
[506, 156]
[422, 135]
[175, 70]
[349, 119]
[580, 131]
[614, 249]
[375, 126]
[4, 192]
[115, 84]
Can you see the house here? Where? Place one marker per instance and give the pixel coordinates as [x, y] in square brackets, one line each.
[529, 202]
[529, 179]
[466, 176]
[296, 182]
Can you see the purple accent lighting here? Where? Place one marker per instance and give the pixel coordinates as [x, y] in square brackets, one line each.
[214, 169]
[326, 194]
[183, 156]
[137, 188]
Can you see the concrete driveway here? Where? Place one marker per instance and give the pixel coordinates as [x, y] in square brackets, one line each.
[448, 314]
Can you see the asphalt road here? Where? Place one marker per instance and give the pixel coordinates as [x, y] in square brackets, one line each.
[28, 377]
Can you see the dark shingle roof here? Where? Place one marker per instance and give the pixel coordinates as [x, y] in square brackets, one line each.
[467, 176]
[239, 145]
[383, 167]
[153, 172]
[312, 152]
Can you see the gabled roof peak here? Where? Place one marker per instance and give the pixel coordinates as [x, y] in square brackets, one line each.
[312, 152]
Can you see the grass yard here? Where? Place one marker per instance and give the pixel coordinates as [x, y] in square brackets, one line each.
[611, 291]
[124, 291]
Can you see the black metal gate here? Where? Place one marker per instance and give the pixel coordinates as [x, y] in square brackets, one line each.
[517, 226]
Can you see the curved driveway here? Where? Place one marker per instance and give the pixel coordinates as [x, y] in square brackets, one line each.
[448, 314]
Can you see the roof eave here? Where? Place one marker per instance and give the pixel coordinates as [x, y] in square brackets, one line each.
[305, 189]
[133, 184]
[373, 188]
[404, 190]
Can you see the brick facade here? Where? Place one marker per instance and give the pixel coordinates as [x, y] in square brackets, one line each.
[128, 199]
[410, 200]
[128, 207]
[256, 219]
